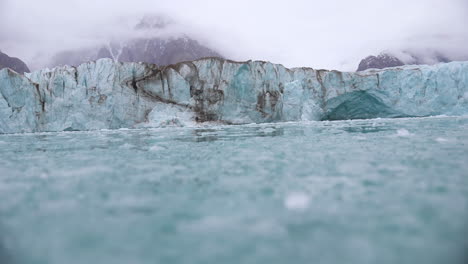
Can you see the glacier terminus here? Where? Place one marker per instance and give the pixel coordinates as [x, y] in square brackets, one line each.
[110, 95]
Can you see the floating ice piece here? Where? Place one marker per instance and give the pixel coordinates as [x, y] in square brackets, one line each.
[403, 133]
[156, 148]
[297, 201]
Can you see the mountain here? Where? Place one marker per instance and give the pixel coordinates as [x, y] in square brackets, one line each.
[13, 63]
[408, 57]
[109, 95]
[162, 49]
[380, 61]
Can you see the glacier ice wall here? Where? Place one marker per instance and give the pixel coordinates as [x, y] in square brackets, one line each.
[111, 95]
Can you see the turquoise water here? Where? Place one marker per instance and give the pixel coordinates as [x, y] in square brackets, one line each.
[364, 191]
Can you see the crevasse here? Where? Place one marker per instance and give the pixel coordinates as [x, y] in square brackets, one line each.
[111, 95]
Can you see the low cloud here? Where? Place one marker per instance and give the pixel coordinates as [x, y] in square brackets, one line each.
[321, 34]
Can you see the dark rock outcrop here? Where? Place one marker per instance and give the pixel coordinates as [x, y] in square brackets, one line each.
[381, 61]
[409, 57]
[13, 63]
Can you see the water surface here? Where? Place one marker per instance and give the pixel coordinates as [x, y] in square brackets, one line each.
[363, 191]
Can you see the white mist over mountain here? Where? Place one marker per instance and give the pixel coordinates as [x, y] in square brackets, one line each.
[330, 34]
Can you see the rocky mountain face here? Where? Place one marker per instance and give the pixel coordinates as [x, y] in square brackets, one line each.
[157, 50]
[13, 63]
[389, 59]
[380, 61]
[109, 95]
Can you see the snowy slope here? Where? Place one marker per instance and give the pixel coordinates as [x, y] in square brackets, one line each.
[155, 39]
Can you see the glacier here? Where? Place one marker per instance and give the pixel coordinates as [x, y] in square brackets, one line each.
[110, 95]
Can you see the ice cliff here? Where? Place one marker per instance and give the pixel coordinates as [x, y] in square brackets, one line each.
[110, 95]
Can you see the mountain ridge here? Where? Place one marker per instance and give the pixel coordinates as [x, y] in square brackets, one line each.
[388, 59]
[13, 63]
[154, 43]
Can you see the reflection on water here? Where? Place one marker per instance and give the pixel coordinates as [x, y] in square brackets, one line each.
[366, 129]
[211, 135]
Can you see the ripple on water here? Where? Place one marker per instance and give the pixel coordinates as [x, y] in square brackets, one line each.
[361, 191]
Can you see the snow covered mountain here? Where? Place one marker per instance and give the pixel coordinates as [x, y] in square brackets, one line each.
[13, 63]
[109, 95]
[160, 50]
[380, 61]
[409, 57]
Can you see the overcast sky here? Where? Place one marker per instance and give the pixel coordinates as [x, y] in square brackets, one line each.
[332, 34]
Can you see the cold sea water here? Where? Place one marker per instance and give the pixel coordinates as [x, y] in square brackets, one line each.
[362, 191]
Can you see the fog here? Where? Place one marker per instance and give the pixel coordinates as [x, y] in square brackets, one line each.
[332, 34]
